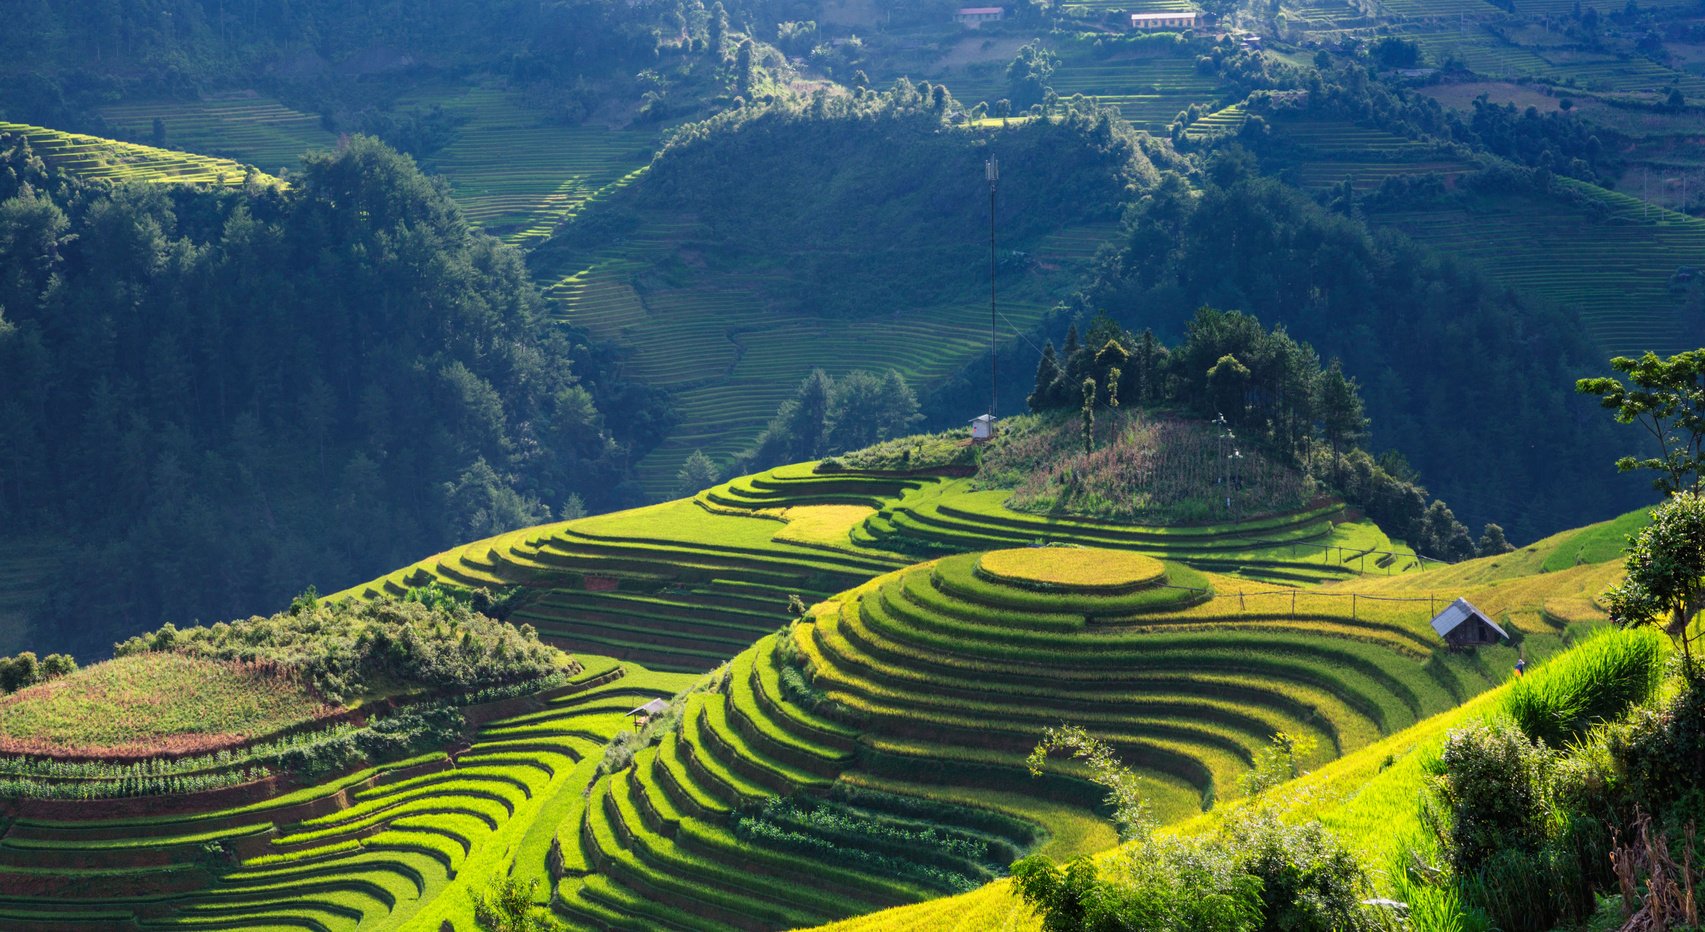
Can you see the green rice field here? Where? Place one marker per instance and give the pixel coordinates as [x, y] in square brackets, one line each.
[93, 158]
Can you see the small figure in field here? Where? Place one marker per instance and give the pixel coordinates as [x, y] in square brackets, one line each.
[1521, 666]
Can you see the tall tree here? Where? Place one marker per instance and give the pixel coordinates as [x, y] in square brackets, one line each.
[1666, 397]
[1665, 583]
[1342, 420]
[698, 473]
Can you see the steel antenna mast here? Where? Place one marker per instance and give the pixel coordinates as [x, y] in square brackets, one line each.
[992, 171]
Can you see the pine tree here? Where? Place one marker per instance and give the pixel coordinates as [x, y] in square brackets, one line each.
[1342, 420]
[1042, 396]
[698, 473]
[718, 31]
[1088, 416]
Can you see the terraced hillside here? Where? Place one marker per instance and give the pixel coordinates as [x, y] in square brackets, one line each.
[1609, 256]
[1490, 56]
[795, 787]
[1149, 91]
[1368, 796]
[518, 174]
[399, 845]
[248, 128]
[674, 586]
[729, 345]
[1320, 154]
[687, 584]
[93, 158]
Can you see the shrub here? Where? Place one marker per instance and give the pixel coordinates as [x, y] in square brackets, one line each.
[1602, 678]
[351, 648]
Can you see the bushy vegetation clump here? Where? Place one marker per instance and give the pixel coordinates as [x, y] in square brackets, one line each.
[352, 649]
[1560, 798]
[178, 703]
[1259, 874]
[26, 669]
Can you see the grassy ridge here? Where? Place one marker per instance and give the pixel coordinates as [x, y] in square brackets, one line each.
[92, 158]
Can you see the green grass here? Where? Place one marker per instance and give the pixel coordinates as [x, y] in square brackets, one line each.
[247, 128]
[93, 158]
[519, 174]
[151, 704]
[1597, 543]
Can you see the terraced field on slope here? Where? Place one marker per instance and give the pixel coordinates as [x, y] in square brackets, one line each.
[795, 788]
[729, 345]
[93, 158]
[518, 174]
[1610, 258]
[1320, 154]
[687, 584]
[395, 846]
[1368, 797]
[248, 128]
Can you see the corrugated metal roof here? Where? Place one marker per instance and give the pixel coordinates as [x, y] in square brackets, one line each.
[1458, 612]
[653, 707]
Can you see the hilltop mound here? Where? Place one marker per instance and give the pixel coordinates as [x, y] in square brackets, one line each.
[874, 753]
[1146, 467]
[144, 705]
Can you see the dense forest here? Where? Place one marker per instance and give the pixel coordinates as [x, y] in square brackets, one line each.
[218, 397]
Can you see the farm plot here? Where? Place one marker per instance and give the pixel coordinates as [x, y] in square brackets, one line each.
[1149, 92]
[519, 175]
[252, 129]
[1613, 267]
[1490, 56]
[729, 345]
[1319, 154]
[92, 158]
[675, 586]
[758, 808]
[398, 845]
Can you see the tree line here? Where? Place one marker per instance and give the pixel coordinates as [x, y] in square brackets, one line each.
[213, 396]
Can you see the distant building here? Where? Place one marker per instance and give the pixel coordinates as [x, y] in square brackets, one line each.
[1463, 625]
[976, 15]
[982, 428]
[1155, 22]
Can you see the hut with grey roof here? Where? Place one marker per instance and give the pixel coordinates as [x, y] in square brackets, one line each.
[1463, 625]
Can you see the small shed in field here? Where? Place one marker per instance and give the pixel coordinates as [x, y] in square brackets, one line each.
[982, 428]
[1463, 625]
[647, 712]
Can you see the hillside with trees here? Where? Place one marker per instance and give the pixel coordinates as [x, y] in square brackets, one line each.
[216, 396]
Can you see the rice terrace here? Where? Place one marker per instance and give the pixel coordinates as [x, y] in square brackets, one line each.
[746, 465]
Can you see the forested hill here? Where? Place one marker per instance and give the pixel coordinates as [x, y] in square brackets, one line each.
[216, 397]
[841, 231]
[1456, 371]
[61, 57]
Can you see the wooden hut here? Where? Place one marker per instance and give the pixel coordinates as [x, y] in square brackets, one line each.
[645, 713]
[1463, 625]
